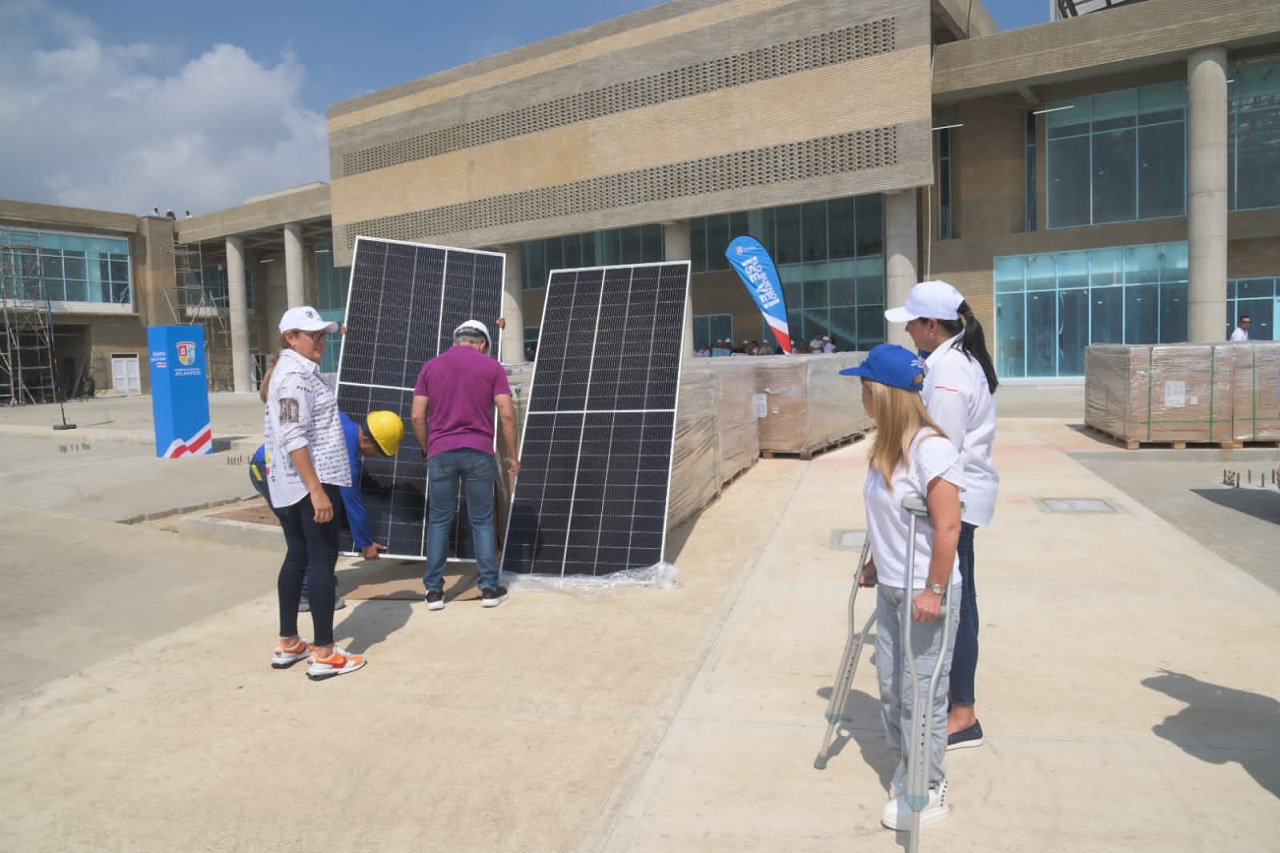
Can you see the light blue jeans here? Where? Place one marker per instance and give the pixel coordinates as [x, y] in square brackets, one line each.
[897, 703]
[476, 472]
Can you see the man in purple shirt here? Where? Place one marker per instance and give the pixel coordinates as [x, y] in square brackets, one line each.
[453, 420]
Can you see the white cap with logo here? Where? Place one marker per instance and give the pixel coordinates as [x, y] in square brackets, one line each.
[304, 318]
[929, 299]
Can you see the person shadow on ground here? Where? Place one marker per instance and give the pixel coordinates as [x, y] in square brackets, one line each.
[1221, 724]
[370, 622]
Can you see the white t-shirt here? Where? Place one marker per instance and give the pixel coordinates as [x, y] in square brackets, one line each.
[1239, 335]
[302, 412]
[958, 398]
[887, 522]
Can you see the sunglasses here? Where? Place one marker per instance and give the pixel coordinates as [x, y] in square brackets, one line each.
[315, 336]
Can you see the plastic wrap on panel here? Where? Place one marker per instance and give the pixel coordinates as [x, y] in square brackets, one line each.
[809, 405]
[1255, 390]
[695, 477]
[737, 427]
[1160, 392]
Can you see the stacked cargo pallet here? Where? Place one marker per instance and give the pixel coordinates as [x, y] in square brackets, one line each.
[1179, 394]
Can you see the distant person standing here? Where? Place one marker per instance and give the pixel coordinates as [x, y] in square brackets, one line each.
[453, 419]
[1242, 328]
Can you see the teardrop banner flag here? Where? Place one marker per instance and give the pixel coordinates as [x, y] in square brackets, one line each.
[755, 267]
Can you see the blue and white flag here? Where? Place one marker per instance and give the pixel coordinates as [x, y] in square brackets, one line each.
[755, 267]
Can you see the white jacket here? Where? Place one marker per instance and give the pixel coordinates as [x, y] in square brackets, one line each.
[302, 412]
[957, 397]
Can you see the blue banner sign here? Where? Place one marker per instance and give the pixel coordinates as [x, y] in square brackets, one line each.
[754, 266]
[179, 391]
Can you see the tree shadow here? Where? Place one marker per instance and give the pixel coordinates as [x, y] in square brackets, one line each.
[1221, 724]
[1262, 504]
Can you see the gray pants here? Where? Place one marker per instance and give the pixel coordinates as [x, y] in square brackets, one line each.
[897, 705]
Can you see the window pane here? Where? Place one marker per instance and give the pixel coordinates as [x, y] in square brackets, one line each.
[1068, 182]
[1162, 102]
[870, 326]
[633, 247]
[1073, 335]
[1067, 118]
[1114, 176]
[1142, 314]
[814, 225]
[1010, 335]
[842, 291]
[870, 222]
[1010, 274]
[1162, 159]
[698, 244]
[842, 220]
[815, 294]
[1042, 334]
[1041, 272]
[1107, 314]
[789, 250]
[1173, 313]
[1106, 266]
[1073, 270]
[1142, 264]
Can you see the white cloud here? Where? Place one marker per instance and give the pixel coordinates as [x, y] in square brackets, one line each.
[119, 127]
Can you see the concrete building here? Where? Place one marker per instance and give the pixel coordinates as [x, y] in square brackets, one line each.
[1110, 177]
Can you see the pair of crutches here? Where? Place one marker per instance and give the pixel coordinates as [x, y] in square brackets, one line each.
[918, 740]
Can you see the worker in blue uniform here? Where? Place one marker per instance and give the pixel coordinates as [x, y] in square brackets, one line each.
[379, 436]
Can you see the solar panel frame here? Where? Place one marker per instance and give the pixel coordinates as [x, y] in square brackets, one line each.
[387, 341]
[601, 418]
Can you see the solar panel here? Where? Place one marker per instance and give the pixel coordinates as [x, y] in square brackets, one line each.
[404, 302]
[591, 498]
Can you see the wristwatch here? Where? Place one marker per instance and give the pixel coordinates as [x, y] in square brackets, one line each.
[936, 588]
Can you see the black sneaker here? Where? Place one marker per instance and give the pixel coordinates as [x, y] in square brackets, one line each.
[966, 738]
[493, 597]
[435, 599]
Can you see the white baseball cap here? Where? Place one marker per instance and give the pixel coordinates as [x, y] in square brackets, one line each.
[474, 327]
[304, 318]
[935, 299]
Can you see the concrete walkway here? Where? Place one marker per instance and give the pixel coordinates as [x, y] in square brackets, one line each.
[1126, 687]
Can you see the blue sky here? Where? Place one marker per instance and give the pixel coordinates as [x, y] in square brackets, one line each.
[185, 105]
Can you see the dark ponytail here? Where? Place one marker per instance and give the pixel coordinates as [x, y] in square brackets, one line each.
[973, 343]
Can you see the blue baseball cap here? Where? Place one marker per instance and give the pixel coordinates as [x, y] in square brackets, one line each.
[892, 365]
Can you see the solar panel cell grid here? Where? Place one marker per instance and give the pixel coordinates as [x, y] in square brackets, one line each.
[592, 495]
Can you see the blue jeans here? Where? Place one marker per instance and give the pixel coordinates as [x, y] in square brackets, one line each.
[897, 702]
[311, 554]
[476, 472]
[965, 663]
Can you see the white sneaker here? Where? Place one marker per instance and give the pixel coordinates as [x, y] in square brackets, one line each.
[897, 814]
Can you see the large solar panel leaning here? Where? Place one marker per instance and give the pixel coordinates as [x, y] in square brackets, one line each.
[404, 302]
[591, 497]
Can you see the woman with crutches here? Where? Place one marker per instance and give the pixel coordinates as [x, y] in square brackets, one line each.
[959, 392]
[911, 462]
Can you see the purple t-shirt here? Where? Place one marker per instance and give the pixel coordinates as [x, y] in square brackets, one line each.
[460, 385]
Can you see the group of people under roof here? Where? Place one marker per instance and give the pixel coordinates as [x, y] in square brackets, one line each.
[935, 416]
[309, 470]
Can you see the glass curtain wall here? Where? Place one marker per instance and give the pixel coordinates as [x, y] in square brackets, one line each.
[67, 267]
[331, 301]
[1049, 307]
[830, 257]
[643, 244]
[1253, 155]
[1260, 299]
[709, 328]
[1118, 156]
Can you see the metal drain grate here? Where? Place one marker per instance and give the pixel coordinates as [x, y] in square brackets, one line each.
[1074, 505]
[848, 540]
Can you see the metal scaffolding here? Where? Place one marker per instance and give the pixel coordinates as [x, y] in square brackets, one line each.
[201, 298]
[27, 372]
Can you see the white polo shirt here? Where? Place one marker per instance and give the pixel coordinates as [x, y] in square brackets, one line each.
[957, 397]
[302, 412]
[887, 522]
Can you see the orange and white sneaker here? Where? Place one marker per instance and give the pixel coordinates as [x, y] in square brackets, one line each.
[339, 662]
[286, 656]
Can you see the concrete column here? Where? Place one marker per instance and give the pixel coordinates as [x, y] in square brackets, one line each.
[900, 254]
[677, 246]
[1207, 193]
[294, 272]
[238, 308]
[513, 308]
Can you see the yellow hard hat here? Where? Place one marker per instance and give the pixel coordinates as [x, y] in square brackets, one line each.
[386, 429]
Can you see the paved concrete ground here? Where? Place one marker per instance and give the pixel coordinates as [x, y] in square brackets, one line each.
[1127, 687]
